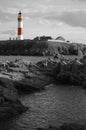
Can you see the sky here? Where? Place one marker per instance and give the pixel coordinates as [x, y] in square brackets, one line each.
[54, 18]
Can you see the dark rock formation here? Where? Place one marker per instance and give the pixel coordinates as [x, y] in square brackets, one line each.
[65, 126]
[73, 73]
[50, 128]
[65, 71]
[9, 103]
[72, 126]
[10, 109]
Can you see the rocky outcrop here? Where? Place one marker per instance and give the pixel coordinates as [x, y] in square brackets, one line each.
[65, 71]
[66, 126]
[25, 75]
[10, 109]
[72, 126]
[28, 77]
[9, 103]
[73, 73]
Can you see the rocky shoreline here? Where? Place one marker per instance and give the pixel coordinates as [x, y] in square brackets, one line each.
[17, 78]
[22, 76]
[10, 104]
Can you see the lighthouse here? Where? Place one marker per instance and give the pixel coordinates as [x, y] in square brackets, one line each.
[20, 26]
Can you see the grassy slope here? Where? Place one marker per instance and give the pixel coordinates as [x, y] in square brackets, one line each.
[31, 47]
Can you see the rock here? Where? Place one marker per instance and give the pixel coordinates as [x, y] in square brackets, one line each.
[48, 67]
[13, 64]
[36, 76]
[72, 126]
[9, 102]
[30, 77]
[8, 90]
[66, 126]
[11, 109]
[27, 80]
[50, 128]
[32, 82]
[73, 72]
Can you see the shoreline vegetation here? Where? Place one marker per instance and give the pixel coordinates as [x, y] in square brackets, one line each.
[41, 47]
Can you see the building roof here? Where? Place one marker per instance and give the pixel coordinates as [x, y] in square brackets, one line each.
[61, 38]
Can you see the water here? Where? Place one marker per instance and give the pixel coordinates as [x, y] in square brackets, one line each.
[54, 106]
[31, 58]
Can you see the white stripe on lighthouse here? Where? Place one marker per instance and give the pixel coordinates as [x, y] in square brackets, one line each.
[20, 37]
[20, 24]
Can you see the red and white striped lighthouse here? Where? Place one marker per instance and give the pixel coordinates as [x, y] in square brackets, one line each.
[20, 26]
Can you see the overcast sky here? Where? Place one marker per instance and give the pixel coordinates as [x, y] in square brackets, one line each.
[44, 17]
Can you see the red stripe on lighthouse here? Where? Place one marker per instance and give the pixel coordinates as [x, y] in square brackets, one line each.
[20, 31]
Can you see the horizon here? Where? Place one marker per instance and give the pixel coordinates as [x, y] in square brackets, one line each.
[55, 18]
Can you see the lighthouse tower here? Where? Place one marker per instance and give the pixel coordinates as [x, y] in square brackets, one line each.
[20, 26]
